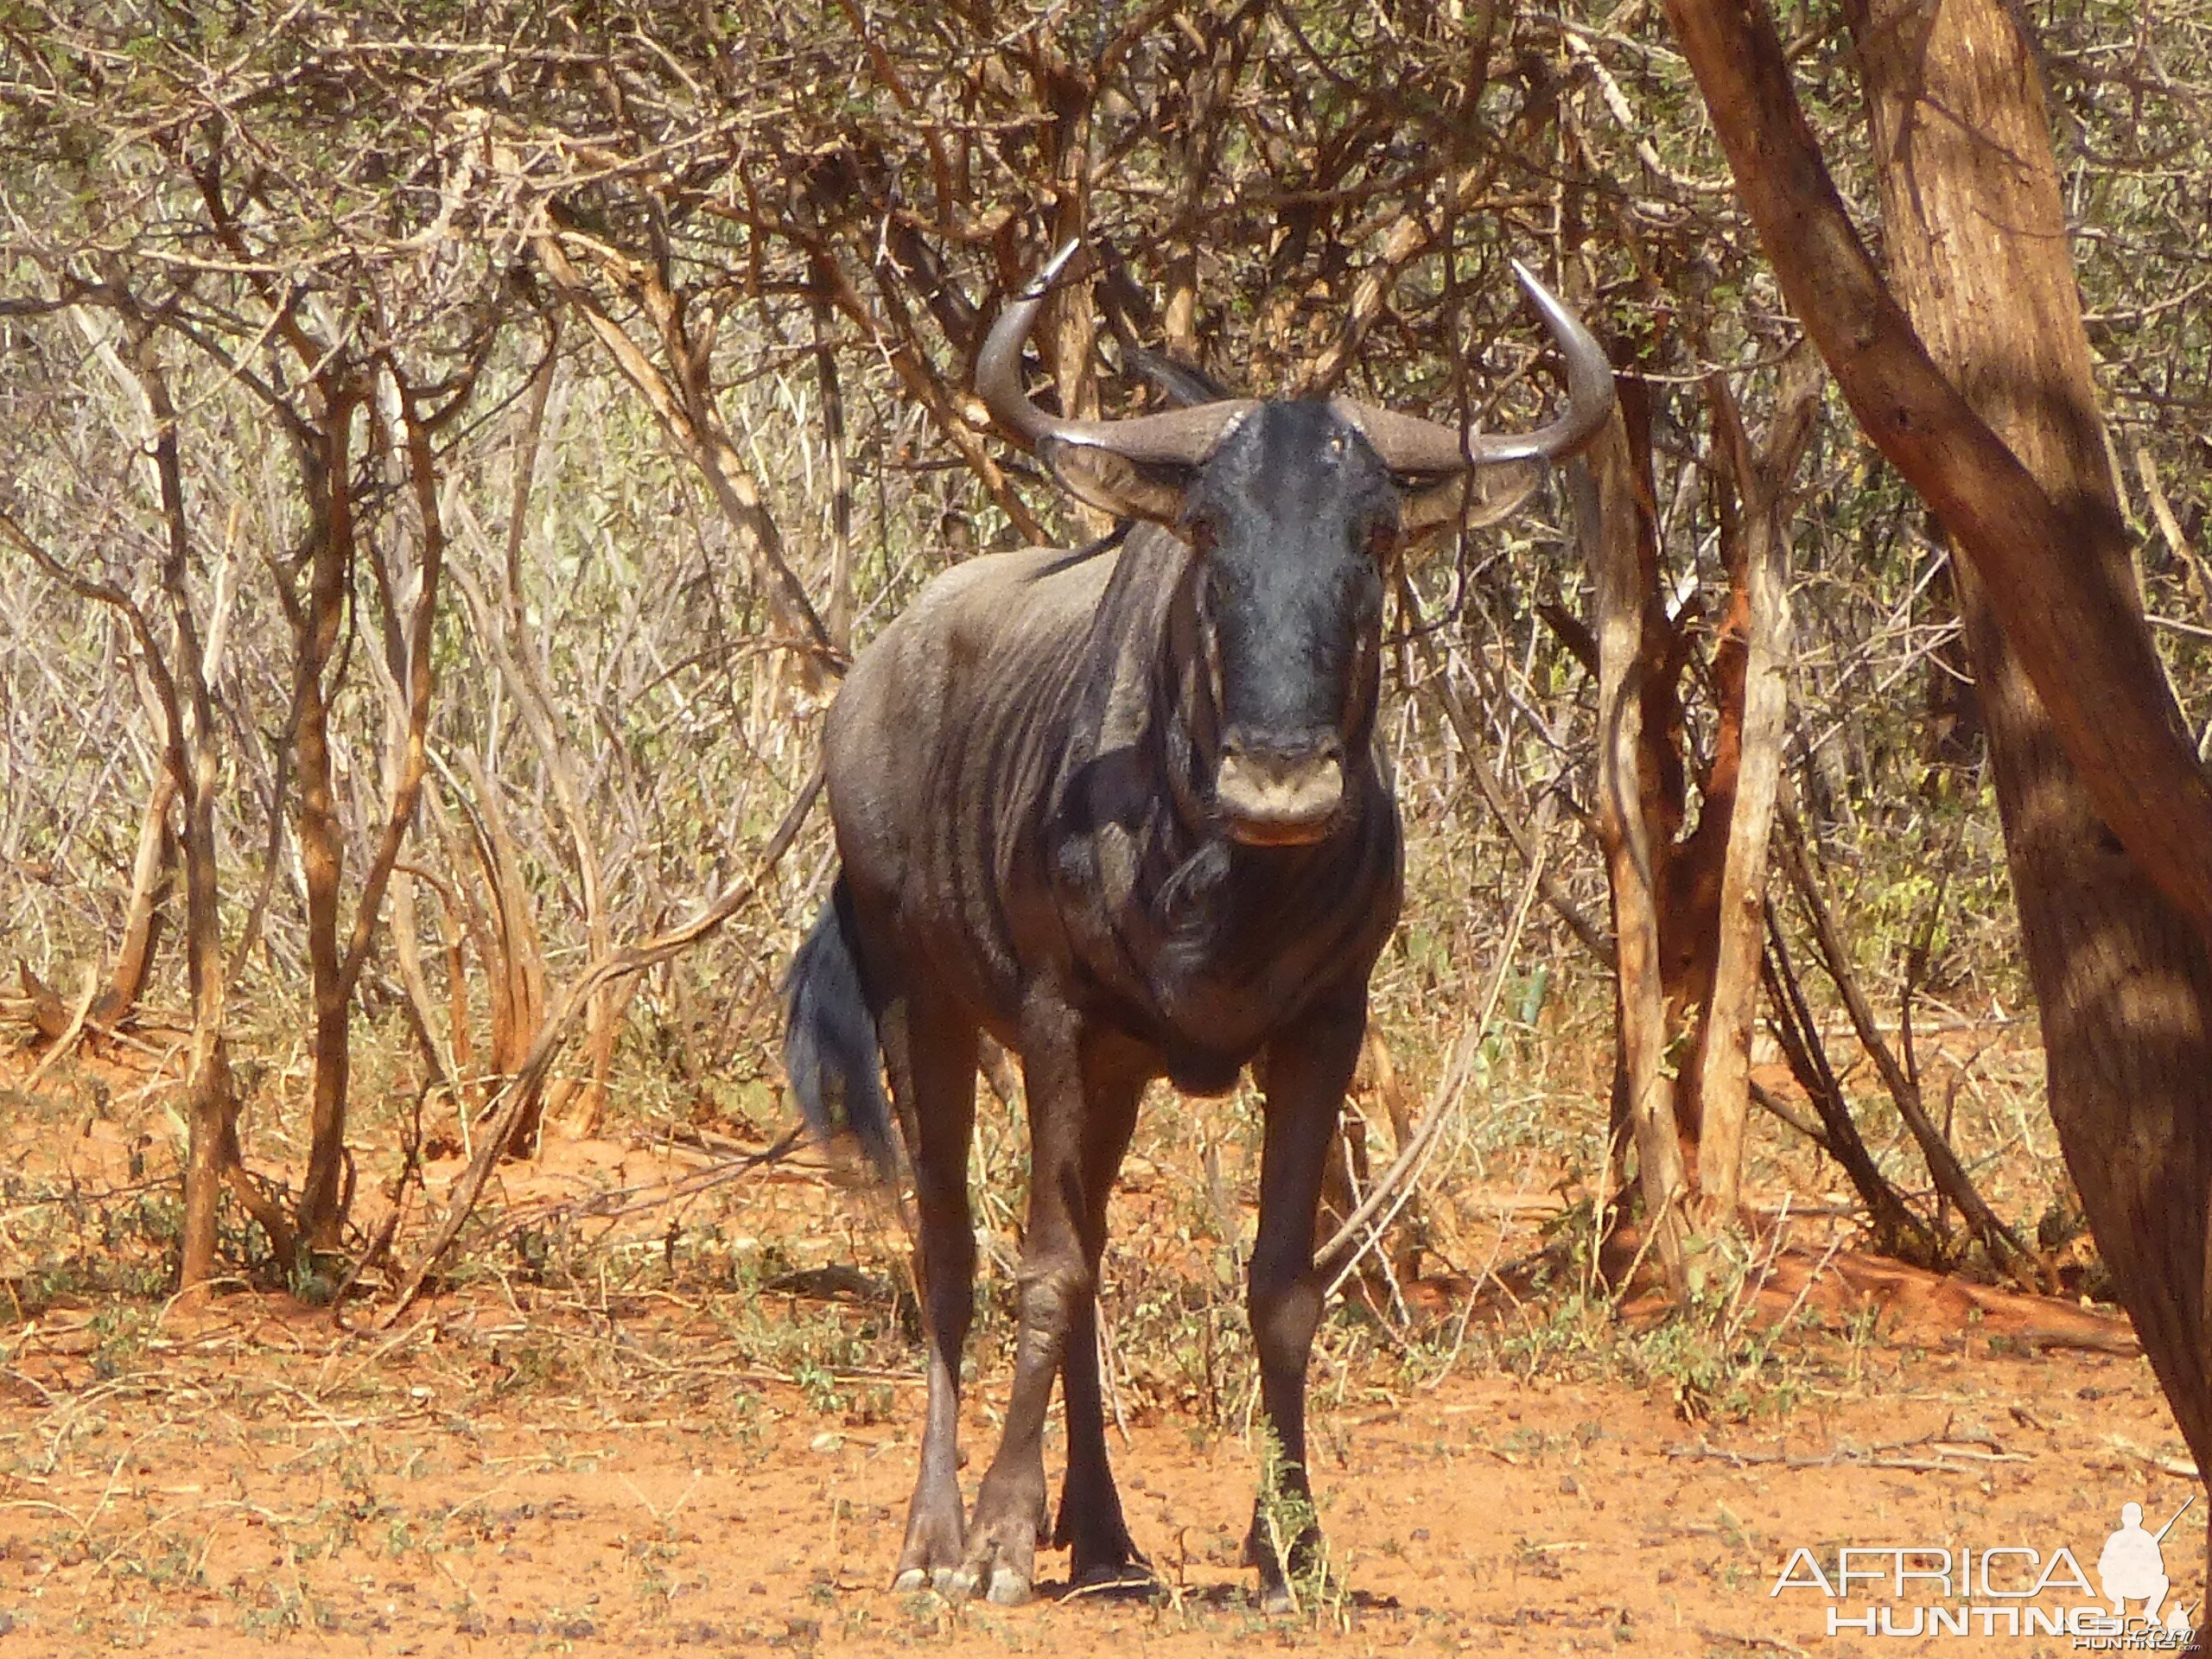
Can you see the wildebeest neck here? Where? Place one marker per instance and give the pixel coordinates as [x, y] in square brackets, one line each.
[1192, 930]
[1151, 706]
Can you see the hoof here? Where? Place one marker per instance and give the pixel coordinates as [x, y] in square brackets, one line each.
[1002, 1549]
[934, 1543]
[1276, 1573]
[1005, 1587]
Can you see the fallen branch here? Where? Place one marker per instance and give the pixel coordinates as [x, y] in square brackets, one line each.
[2179, 1468]
[1939, 1307]
[70, 1032]
[615, 1203]
[1950, 1454]
[1750, 1643]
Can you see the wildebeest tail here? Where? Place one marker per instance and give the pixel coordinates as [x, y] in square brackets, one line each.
[831, 1053]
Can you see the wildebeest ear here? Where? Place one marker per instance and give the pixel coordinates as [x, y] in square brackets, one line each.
[1474, 499]
[1112, 483]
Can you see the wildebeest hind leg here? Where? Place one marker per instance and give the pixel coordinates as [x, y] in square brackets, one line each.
[1055, 1280]
[1092, 1525]
[1303, 1076]
[930, 1052]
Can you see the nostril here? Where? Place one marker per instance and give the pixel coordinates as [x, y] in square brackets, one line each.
[1280, 753]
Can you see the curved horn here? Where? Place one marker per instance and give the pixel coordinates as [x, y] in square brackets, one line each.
[1408, 444]
[1177, 437]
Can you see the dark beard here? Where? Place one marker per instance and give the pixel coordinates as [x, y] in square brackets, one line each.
[1185, 903]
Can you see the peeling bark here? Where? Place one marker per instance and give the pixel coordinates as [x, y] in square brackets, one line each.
[1757, 637]
[1604, 507]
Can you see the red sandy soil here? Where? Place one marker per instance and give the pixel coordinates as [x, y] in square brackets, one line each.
[259, 1477]
[509, 1472]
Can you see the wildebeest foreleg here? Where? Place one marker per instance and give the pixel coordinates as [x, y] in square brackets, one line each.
[1304, 1075]
[1054, 1284]
[1091, 1524]
[930, 1053]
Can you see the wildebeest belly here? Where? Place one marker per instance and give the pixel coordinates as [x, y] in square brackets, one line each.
[1196, 1073]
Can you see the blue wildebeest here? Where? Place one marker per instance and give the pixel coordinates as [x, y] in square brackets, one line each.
[1121, 808]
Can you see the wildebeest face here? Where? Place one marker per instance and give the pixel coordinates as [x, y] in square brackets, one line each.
[1292, 521]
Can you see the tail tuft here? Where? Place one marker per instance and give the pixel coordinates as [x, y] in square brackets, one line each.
[831, 1053]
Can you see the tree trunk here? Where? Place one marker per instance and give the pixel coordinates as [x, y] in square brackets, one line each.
[1976, 238]
[516, 966]
[1213, 83]
[1758, 648]
[189, 727]
[837, 609]
[525, 664]
[407, 952]
[211, 1101]
[322, 842]
[1071, 323]
[150, 884]
[2116, 924]
[1605, 513]
[2079, 633]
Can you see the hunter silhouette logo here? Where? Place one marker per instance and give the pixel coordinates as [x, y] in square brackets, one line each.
[2133, 1567]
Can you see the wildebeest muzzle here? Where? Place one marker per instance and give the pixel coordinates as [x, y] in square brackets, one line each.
[1271, 793]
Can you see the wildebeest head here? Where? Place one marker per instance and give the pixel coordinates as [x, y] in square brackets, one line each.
[1293, 510]
[1291, 520]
